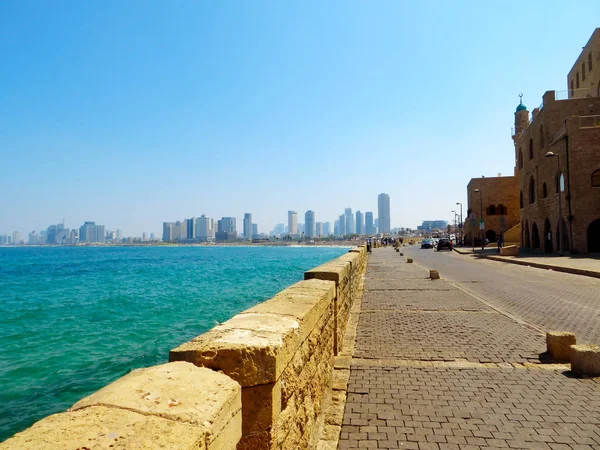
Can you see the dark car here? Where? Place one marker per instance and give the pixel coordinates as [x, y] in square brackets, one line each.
[444, 244]
[427, 243]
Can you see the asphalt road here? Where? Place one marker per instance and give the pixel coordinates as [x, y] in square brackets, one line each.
[545, 299]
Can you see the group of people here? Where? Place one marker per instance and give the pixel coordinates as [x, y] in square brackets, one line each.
[383, 242]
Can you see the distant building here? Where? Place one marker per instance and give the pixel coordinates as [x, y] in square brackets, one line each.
[327, 229]
[293, 223]
[89, 232]
[376, 226]
[369, 225]
[278, 230]
[360, 223]
[204, 229]
[319, 229]
[226, 229]
[349, 225]
[309, 224]
[248, 226]
[3, 239]
[190, 228]
[383, 210]
[336, 228]
[342, 225]
[254, 231]
[152, 238]
[34, 238]
[16, 238]
[430, 225]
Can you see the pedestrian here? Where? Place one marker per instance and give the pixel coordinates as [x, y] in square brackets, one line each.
[499, 243]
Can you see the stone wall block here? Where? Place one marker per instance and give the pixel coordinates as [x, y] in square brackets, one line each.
[558, 344]
[585, 360]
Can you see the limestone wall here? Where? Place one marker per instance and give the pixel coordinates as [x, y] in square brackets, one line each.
[256, 381]
[281, 352]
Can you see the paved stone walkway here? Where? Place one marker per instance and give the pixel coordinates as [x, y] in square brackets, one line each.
[435, 368]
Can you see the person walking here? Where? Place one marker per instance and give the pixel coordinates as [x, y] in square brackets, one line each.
[499, 242]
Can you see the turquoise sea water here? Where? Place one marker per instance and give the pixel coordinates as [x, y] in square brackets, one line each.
[73, 319]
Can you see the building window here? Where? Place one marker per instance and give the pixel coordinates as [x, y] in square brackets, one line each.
[589, 61]
[491, 210]
[521, 199]
[596, 178]
[501, 210]
[542, 140]
[520, 158]
[572, 89]
[582, 71]
[531, 148]
[577, 80]
[544, 190]
[531, 190]
[561, 181]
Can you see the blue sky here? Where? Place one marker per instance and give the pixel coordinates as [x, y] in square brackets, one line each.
[134, 113]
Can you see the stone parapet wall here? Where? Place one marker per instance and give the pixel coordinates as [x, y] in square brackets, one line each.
[282, 352]
[256, 381]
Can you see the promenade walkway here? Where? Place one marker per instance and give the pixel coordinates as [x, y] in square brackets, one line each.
[435, 368]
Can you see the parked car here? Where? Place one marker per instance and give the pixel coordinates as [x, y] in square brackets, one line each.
[427, 243]
[444, 243]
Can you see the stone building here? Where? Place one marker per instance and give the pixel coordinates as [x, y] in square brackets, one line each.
[496, 201]
[557, 162]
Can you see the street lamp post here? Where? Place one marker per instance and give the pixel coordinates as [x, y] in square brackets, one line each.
[480, 216]
[560, 230]
[461, 222]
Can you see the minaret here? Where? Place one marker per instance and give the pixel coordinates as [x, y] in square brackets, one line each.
[521, 122]
[521, 116]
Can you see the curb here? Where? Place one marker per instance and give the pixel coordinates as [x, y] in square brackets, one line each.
[571, 270]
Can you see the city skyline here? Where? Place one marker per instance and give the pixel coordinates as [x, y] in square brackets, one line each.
[323, 107]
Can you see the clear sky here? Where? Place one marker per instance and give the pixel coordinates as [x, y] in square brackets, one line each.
[131, 113]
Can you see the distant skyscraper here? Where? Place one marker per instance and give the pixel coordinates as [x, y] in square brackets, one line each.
[292, 222]
[383, 211]
[3, 239]
[204, 229]
[342, 225]
[310, 224]
[336, 227]
[369, 226]
[376, 226]
[16, 237]
[152, 238]
[254, 230]
[144, 236]
[360, 223]
[278, 230]
[319, 229]
[350, 226]
[327, 229]
[119, 235]
[226, 229]
[90, 232]
[190, 232]
[248, 226]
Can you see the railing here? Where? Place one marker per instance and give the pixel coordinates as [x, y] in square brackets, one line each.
[590, 121]
[574, 93]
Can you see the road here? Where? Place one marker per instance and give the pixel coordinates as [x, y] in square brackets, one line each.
[545, 299]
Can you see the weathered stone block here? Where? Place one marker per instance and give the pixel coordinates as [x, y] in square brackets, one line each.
[585, 360]
[509, 250]
[409, 260]
[401, 254]
[558, 344]
[434, 274]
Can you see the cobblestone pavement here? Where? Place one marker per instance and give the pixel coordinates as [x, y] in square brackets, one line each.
[436, 368]
[550, 300]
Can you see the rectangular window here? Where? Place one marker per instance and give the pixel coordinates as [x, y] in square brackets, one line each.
[572, 89]
[583, 71]
[577, 80]
[590, 61]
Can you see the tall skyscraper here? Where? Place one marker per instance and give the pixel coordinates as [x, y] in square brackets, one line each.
[310, 229]
[376, 226]
[204, 229]
[254, 230]
[292, 222]
[336, 228]
[383, 211]
[360, 223]
[369, 226]
[319, 229]
[190, 228]
[342, 225]
[16, 238]
[226, 229]
[350, 226]
[327, 229]
[90, 232]
[248, 226]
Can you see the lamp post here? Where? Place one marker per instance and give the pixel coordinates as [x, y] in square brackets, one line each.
[454, 223]
[480, 216]
[560, 230]
[461, 222]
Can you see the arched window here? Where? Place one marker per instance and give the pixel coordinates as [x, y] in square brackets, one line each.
[531, 190]
[531, 148]
[520, 158]
[542, 140]
[561, 182]
[544, 190]
[501, 210]
[596, 178]
[582, 71]
[491, 210]
[521, 199]
[577, 80]
[572, 89]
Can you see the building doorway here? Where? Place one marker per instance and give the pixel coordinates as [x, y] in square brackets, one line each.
[593, 237]
[527, 241]
[535, 236]
[547, 237]
[490, 235]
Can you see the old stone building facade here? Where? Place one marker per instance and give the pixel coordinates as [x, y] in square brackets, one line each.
[557, 163]
[496, 201]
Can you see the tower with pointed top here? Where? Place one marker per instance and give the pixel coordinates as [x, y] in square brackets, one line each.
[521, 123]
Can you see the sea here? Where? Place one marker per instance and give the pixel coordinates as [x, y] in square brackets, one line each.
[73, 319]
